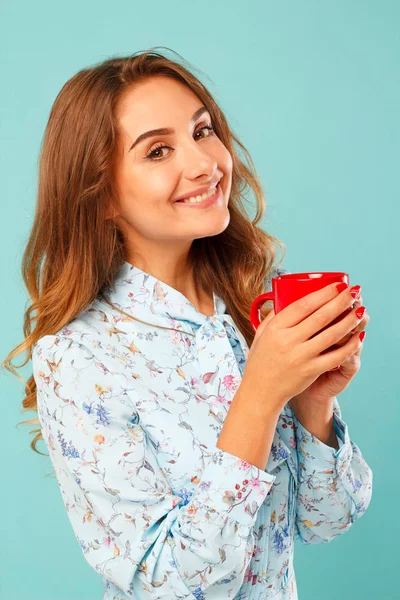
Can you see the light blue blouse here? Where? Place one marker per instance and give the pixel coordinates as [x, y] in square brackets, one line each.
[131, 415]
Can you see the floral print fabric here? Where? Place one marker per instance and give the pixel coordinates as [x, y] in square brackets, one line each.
[131, 414]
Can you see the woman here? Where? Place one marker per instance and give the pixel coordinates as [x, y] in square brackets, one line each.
[141, 341]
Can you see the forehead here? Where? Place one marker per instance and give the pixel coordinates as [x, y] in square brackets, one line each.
[154, 103]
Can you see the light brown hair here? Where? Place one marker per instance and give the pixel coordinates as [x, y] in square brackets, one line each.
[73, 251]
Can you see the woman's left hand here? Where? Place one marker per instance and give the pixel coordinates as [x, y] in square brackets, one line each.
[330, 384]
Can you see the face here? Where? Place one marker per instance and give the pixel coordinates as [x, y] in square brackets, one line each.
[155, 170]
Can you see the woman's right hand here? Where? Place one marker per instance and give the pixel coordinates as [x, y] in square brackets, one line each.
[283, 360]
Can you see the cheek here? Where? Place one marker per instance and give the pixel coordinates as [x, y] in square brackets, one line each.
[147, 223]
[225, 165]
[223, 157]
[147, 215]
[144, 191]
[228, 161]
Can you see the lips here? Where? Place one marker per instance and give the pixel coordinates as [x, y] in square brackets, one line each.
[203, 204]
[198, 192]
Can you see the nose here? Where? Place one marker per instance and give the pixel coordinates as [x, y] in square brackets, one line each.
[199, 159]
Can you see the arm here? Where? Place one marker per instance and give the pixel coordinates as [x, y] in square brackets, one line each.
[131, 527]
[334, 486]
[249, 428]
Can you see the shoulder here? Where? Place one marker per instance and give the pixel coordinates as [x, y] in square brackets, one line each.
[94, 321]
[52, 345]
[56, 356]
[69, 373]
[84, 335]
[62, 356]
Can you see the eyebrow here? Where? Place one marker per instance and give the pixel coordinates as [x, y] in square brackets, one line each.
[166, 130]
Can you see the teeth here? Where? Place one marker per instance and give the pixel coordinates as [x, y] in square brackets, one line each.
[196, 199]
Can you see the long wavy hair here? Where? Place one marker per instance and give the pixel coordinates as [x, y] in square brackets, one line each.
[74, 251]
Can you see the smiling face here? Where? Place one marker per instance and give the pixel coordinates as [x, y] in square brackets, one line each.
[154, 171]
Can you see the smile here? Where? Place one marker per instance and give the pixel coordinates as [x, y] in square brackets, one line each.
[206, 199]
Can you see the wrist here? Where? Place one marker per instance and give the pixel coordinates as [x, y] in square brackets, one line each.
[309, 407]
[303, 400]
[262, 401]
[317, 419]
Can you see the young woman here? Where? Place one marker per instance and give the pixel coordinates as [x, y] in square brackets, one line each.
[190, 451]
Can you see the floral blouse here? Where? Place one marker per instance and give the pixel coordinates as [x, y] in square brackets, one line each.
[131, 414]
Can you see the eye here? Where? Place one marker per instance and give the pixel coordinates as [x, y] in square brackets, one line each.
[209, 128]
[151, 155]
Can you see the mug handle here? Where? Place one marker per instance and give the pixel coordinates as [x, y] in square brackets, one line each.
[256, 306]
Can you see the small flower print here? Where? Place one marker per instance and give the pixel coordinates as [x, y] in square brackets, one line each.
[231, 382]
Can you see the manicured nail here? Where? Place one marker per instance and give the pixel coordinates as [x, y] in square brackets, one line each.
[355, 291]
[360, 312]
[362, 335]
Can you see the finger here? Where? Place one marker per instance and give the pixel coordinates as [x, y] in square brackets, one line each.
[327, 361]
[264, 323]
[337, 335]
[360, 327]
[352, 361]
[357, 353]
[315, 310]
[362, 324]
[341, 342]
[358, 302]
[350, 364]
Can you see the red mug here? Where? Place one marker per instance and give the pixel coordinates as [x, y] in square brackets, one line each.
[292, 286]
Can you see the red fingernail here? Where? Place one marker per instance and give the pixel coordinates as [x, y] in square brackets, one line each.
[362, 335]
[355, 291]
[341, 286]
[360, 312]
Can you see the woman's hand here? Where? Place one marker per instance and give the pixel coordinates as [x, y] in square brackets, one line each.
[330, 384]
[290, 353]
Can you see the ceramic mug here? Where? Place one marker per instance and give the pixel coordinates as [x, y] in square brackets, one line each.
[292, 286]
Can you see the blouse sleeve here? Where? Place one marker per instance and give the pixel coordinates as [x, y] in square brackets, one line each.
[130, 525]
[334, 486]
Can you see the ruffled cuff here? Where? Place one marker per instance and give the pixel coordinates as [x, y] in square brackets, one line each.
[233, 487]
[316, 458]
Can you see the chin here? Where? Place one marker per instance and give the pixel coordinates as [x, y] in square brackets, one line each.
[218, 226]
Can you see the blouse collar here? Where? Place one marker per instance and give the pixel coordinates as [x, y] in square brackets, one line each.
[144, 296]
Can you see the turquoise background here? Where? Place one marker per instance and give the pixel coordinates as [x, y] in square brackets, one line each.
[313, 90]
